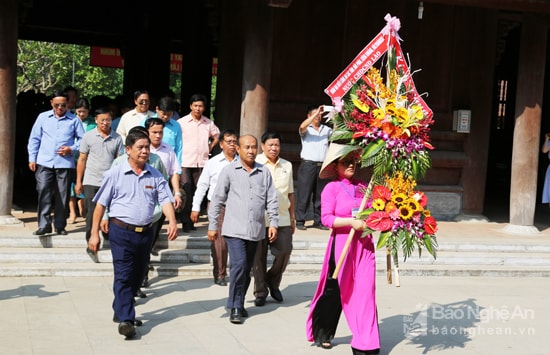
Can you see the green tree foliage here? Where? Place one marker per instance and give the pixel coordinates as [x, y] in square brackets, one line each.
[45, 66]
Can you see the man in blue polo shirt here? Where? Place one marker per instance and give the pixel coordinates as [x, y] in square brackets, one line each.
[127, 185]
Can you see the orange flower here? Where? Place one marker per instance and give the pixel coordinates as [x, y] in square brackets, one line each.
[397, 132]
[390, 206]
[388, 128]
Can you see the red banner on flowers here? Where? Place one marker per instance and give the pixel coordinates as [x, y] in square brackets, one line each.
[402, 66]
[386, 39]
[359, 66]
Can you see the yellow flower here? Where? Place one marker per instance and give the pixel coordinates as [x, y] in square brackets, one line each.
[416, 112]
[403, 116]
[378, 113]
[414, 205]
[379, 204]
[405, 212]
[360, 105]
[399, 198]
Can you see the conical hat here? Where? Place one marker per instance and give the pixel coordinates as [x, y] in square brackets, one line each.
[335, 152]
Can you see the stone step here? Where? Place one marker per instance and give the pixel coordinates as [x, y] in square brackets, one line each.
[86, 269]
[464, 250]
[299, 256]
[201, 242]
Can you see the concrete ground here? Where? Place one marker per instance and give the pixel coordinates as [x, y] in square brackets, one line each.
[443, 315]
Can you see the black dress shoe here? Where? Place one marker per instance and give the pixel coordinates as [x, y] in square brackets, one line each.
[140, 294]
[62, 231]
[301, 227]
[127, 329]
[321, 226]
[276, 294]
[145, 282]
[259, 301]
[188, 228]
[236, 316]
[42, 231]
[244, 313]
[137, 322]
[221, 282]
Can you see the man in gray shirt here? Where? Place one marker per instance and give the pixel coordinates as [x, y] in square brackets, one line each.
[98, 149]
[246, 190]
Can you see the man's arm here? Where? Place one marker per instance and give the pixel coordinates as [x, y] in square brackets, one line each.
[310, 117]
[291, 212]
[175, 183]
[80, 168]
[94, 241]
[215, 136]
[214, 142]
[169, 212]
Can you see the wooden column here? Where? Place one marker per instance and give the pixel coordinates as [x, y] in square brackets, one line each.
[256, 68]
[532, 61]
[230, 66]
[8, 84]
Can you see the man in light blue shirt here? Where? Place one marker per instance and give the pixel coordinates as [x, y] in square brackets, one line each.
[315, 140]
[127, 185]
[53, 142]
[247, 191]
[171, 134]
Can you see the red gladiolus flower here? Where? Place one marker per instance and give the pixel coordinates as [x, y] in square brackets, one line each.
[430, 225]
[379, 221]
[359, 134]
[382, 192]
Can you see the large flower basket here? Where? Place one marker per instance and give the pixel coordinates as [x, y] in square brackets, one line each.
[380, 111]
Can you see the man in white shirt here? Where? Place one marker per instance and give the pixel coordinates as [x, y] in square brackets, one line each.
[207, 182]
[134, 117]
[155, 127]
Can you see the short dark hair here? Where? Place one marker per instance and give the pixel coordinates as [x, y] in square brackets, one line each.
[197, 97]
[59, 93]
[312, 108]
[229, 132]
[82, 102]
[271, 135]
[166, 103]
[102, 110]
[153, 121]
[138, 93]
[136, 133]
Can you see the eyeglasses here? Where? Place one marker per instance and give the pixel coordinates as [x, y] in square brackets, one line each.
[58, 105]
[348, 162]
[230, 141]
[105, 120]
[143, 102]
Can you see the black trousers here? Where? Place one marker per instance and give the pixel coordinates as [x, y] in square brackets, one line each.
[309, 191]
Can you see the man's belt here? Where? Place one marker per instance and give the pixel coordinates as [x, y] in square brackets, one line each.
[131, 227]
[317, 163]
